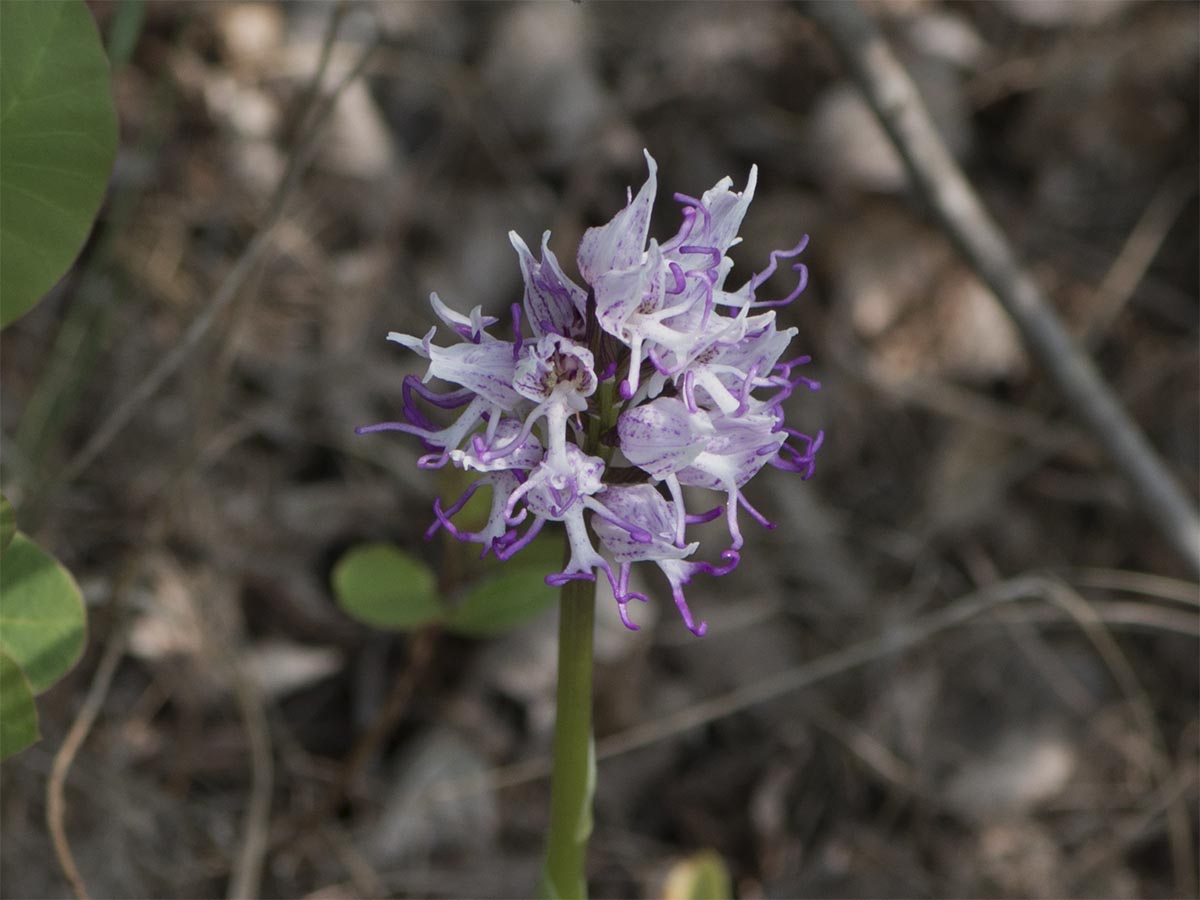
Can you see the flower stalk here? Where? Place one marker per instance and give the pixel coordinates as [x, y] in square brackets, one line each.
[574, 775]
[609, 401]
[573, 778]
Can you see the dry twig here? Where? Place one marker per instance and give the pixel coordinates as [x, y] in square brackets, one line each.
[896, 639]
[55, 800]
[1134, 616]
[1179, 828]
[252, 848]
[298, 162]
[1143, 583]
[394, 706]
[937, 177]
[1139, 250]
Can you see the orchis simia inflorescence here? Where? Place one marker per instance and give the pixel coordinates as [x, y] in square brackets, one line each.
[614, 396]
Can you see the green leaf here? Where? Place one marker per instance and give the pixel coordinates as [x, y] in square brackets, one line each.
[18, 715]
[545, 552]
[702, 876]
[501, 602]
[380, 585]
[478, 509]
[8, 523]
[124, 30]
[42, 621]
[58, 140]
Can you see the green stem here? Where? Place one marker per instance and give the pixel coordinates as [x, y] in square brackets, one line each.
[573, 780]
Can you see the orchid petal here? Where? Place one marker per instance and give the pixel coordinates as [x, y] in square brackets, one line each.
[662, 436]
[553, 303]
[620, 243]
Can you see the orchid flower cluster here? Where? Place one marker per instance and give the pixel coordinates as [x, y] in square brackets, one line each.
[653, 377]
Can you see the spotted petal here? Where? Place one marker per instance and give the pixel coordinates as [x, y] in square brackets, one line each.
[662, 436]
[554, 304]
[620, 243]
[486, 368]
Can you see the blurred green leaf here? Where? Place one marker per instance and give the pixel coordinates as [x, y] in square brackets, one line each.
[702, 876]
[501, 602]
[18, 715]
[42, 621]
[124, 30]
[58, 140]
[474, 514]
[545, 552]
[382, 586]
[8, 523]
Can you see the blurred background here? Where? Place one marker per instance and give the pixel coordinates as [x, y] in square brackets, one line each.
[1047, 748]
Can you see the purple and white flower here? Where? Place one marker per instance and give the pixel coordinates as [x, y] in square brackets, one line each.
[652, 378]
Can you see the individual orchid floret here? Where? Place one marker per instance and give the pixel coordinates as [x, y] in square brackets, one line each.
[498, 534]
[682, 446]
[636, 307]
[660, 301]
[556, 367]
[661, 438]
[696, 255]
[522, 449]
[561, 490]
[615, 396]
[485, 368]
[642, 507]
[724, 376]
[504, 475]
[557, 374]
[739, 448]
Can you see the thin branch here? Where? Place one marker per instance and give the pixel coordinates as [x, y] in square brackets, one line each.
[1144, 583]
[1181, 789]
[1139, 250]
[951, 400]
[307, 146]
[365, 881]
[872, 752]
[938, 179]
[1127, 616]
[55, 800]
[405, 684]
[252, 848]
[900, 638]
[246, 878]
[896, 639]
[407, 680]
[1179, 829]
